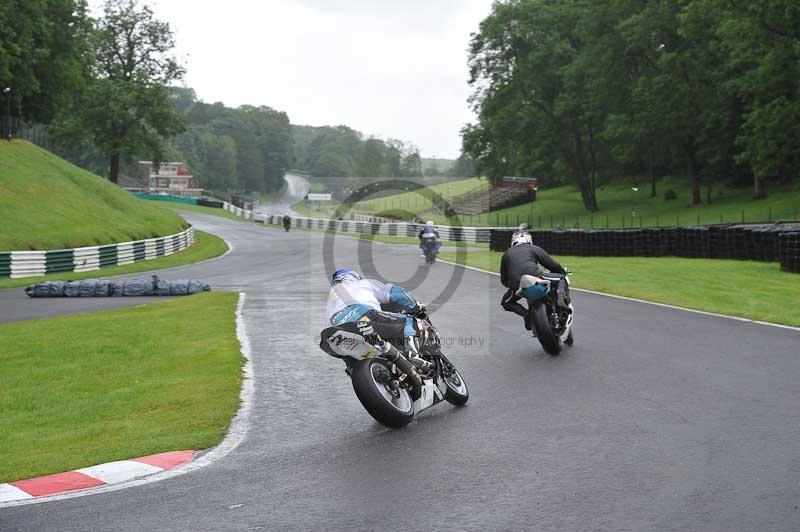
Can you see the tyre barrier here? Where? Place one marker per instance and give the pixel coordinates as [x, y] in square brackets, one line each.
[773, 242]
[16, 264]
[117, 288]
[789, 251]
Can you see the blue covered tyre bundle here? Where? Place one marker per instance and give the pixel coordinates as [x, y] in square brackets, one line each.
[115, 288]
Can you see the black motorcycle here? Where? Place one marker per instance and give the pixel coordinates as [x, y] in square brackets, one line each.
[550, 322]
[391, 385]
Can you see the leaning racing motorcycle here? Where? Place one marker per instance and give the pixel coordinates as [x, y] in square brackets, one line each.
[550, 323]
[391, 386]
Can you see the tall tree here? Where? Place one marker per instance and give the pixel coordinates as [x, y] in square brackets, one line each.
[43, 55]
[127, 108]
[545, 79]
[761, 41]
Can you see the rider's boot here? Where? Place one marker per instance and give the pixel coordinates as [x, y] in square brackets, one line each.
[411, 347]
[516, 308]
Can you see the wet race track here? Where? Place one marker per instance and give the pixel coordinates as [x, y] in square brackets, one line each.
[657, 418]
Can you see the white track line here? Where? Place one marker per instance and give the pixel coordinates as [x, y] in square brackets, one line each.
[737, 318]
[235, 435]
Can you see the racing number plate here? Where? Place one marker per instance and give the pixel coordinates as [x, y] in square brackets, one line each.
[351, 345]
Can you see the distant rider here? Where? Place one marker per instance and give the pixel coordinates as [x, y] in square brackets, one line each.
[523, 258]
[353, 298]
[287, 221]
[426, 231]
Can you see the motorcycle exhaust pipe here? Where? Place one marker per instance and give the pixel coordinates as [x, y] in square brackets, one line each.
[393, 355]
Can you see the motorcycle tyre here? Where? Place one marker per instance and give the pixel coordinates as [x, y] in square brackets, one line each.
[373, 401]
[452, 394]
[570, 339]
[541, 324]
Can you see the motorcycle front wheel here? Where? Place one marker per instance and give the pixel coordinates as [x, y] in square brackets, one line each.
[541, 324]
[372, 382]
[457, 392]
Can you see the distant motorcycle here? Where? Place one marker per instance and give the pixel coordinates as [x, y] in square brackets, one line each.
[430, 247]
[549, 322]
[392, 386]
[287, 223]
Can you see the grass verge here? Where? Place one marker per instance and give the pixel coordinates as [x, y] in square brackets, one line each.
[622, 206]
[222, 213]
[104, 386]
[205, 247]
[753, 290]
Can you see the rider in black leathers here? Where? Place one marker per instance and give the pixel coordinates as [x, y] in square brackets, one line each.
[523, 258]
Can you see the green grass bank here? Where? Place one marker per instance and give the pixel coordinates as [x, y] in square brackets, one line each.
[113, 385]
[753, 290]
[620, 206]
[48, 203]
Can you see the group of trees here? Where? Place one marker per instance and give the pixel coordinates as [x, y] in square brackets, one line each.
[101, 83]
[245, 149]
[344, 161]
[344, 152]
[581, 90]
[106, 88]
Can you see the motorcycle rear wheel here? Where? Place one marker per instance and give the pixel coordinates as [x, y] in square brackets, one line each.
[391, 407]
[541, 324]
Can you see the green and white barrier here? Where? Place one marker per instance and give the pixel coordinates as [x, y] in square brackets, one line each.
[446, 233]
[17, 264]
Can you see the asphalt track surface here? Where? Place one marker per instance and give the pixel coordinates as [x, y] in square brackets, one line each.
[657, 418]
[297, 188]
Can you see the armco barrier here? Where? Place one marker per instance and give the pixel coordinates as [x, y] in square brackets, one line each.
[762, 242]
[451, 234]
[17, 264]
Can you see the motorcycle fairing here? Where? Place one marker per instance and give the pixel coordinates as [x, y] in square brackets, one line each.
[344, 341]
[533, 288]
[431, 394]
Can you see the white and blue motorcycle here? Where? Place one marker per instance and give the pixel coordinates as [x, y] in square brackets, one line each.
[392, 386]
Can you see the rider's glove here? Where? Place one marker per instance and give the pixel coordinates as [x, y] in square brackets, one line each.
[419, 311]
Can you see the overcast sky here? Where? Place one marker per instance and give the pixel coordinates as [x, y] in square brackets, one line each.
[390, 68]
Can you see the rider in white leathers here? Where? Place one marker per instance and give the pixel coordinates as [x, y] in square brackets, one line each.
[353, 298]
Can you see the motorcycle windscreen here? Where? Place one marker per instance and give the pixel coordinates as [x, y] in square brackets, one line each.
[344, 341]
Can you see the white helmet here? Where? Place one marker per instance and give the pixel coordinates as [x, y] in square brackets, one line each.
[520, 237]
[429, 223]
